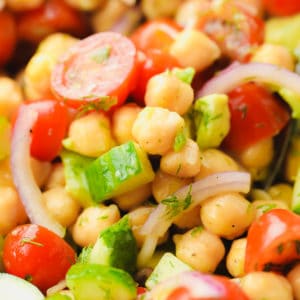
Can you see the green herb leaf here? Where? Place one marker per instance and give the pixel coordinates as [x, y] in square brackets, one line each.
[26, 240]
[186, 75]
[101, 55]
[180, 141]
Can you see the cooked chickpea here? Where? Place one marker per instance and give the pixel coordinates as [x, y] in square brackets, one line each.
[186, 42]
[90, 135]
[122, 122]
[274, 54]
[153, 9]
[86, 5]
[168, 91]
[183, 163]
[12, 212]
[132, 199]
[294, 279]
[263, 206]
[282, 192]
[155, 129]
[266, 285]
[188, 219]
[56, 177]
[137, 219]
[235, 259]
[200, 249]
[5, 173]
[41, 171]
[21, 5]
[10, 96]
[213, 161]
[61, 206]
[259, 194]
[92, 221]
[227, 215]
[165, 185]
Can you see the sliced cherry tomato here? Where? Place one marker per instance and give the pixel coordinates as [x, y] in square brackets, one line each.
[103, 64]
[156, 34]
[52, 16]
[38, 255]
[235, 31]
[141, 290]
[255, 115]
[282, 7]
[273, 241]
[8, 36]
[49, 130]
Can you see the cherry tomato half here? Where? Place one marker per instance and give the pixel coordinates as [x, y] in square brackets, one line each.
[103, 64]
[282, 7]
[255, 115]
[38, 255]
[49, 130]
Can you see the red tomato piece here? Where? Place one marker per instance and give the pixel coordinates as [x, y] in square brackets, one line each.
[103, 64]
[156, 34]
[255, 115]
[282, 7]
[49, 130]
[52, 16]
[38, 255]
[8, 36]
[273, 241]
[235, 31]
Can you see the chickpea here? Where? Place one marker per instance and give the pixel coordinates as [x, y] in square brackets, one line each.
[282, 192]
[90, 135]
[168, 91]
[122, 122]
[5, 173]
[21, 5]
[11, 96]
[227, 215]
[183, 49]
[235, 259]
[61, 206]
[12, 212]
[294, 279]
[137, 219]
[92, 221]
[213, 161]
[266, 285]
[165, 184]
[263, 206]
[274, 54]
[158, 9]
[183, 163]
[56, 177]
[200, 249]
[188, 219]
[259, 194]
[41, 171]
[155, 129]
[86, 5]
[132, 199]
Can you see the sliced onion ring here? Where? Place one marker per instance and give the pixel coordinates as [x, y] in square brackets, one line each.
[29, 192]
[237, 74]
[159, 220]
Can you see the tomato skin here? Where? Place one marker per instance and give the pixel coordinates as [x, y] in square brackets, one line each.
[34, 253]
[82, 77]
[49, 130]
[52, 16]
[281, 7]
[8, 36]
[273, 241]
[255, 115]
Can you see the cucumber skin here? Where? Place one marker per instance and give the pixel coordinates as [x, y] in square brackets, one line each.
[58, 297]
[92, 281]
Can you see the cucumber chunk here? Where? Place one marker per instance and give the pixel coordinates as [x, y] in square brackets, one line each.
[15, 288]
[58, 296]
[92, 281]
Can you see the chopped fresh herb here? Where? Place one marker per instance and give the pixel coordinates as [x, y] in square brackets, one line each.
[243, 108]
[180, 141]
[26, 240]
[101, 55]
[186, 75]
[297, 245]
[266, 207]
[196, 230]
[104, 103]
[28, 277]
[280, 248]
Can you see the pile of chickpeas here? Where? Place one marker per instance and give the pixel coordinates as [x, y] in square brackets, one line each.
[200, 235]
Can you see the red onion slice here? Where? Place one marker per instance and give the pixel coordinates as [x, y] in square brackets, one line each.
[29, 192]
[237, 74]
[159, 220]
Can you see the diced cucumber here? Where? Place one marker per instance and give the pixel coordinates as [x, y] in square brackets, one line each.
[116, 247]
[168, 266]
[76, 182]
[92, 281]
[58, 296]
[121, 169]
[15, 288]
[5, 128]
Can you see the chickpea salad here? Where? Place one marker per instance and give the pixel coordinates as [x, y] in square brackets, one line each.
[149, 150]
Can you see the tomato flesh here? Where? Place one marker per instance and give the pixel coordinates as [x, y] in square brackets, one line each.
[38, 255]
[282, 7]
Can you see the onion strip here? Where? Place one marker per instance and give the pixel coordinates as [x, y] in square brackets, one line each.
[29, 192]
[159, 220]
